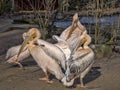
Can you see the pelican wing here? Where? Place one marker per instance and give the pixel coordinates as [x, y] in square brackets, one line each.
[79, 65]
[12, 51]
[68, 31]
[53, 51]
[80, 53]
[59, 39]
[22, 56]
[65, 33]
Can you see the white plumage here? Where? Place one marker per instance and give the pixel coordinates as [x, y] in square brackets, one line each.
[12, 51]
[22, 56]
[12, 54]
[46, 62]
[76, 60]
[78, 65]
[57, 51]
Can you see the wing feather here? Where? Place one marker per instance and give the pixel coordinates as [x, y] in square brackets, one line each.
[78, 66]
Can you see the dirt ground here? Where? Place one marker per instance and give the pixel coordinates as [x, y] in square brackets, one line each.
[105, 73]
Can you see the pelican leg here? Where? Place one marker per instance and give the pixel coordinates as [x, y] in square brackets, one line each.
[83, 74]
[81, 82]
[46, 78]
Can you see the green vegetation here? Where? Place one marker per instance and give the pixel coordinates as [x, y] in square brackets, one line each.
[103, 51]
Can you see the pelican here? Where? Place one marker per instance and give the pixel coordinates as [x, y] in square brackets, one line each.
[12, 54]
[47, 63]
[79, 64]
[76, 28]
[14, 50]
[72, 35]
[20, 52]
[60, 51]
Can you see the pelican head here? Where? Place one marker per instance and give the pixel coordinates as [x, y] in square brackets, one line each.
[66, 83]
[33, 31]
[66, 80]
[75, 19]
[31, 36]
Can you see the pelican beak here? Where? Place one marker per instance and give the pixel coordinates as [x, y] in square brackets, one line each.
[25, 42]
[75, 18]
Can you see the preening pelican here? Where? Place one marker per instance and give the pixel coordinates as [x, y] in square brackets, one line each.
[79, 64]
[76, 28]
[15, 49]
[60, 51]
[72, 35]
[12, 54]
[20, 52]
[47, 63]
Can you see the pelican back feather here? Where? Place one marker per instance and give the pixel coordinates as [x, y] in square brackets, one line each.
[79, 65]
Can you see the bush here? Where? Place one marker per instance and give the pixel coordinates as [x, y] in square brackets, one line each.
[103, 51]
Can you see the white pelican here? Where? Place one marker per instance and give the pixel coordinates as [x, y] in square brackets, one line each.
[47, 63]
[60, 51]
[72, 35]
[12, 54]
[20, 52]
[79, 64]
[14, 50]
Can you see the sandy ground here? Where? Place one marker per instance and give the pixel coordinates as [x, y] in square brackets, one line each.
[105, 73]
